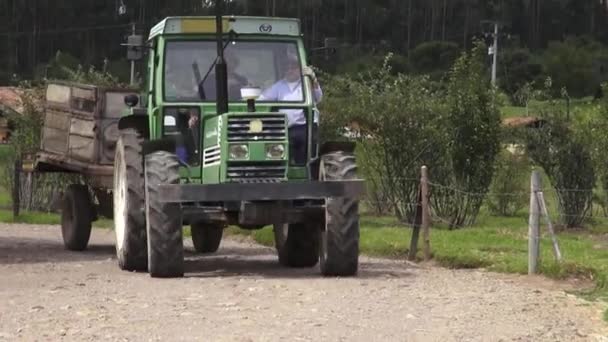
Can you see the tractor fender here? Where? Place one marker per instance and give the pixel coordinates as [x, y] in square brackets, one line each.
[334, 146]
[328, 147]
[137, 121]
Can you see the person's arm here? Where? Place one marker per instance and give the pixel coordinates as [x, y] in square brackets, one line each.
[270, 94]
[316, 87]
[317, 92]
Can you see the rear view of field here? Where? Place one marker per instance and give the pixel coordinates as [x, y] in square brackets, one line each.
[241, 294]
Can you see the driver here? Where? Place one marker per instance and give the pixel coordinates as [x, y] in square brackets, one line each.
[290, 89]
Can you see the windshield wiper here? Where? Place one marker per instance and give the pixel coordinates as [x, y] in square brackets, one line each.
[231, 37]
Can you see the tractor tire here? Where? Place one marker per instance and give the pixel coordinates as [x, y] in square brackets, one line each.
[76, 216]
[129, 201]
[339, 247]
[297, 244]
[206, 238]
[163, 220]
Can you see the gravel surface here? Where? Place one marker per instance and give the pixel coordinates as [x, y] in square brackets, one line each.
[241, 294]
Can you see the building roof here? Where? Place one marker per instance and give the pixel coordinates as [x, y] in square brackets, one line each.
[10, 99]
[523, 121]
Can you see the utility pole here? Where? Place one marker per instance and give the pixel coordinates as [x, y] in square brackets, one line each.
[490, 34]
[133, 61]
[495, 54]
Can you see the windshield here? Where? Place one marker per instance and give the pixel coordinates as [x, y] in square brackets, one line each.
[274, 67]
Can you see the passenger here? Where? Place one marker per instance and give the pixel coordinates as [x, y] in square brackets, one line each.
[188, 141]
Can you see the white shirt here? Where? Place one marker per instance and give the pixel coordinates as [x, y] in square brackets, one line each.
[291, 92]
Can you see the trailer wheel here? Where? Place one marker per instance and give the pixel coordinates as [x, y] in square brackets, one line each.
[339, 247]
[76, 215]
[297, 244]
[206, 238]
[128, 206]
[163, 220]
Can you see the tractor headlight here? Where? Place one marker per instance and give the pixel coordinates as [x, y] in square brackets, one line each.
[239, 151]
[275, 151]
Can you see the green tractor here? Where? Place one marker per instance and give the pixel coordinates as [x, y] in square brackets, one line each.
[205, 145]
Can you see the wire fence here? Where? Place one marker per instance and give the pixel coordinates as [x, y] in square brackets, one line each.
[593, 208]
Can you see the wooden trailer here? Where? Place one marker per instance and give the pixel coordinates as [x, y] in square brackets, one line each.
[79, 135]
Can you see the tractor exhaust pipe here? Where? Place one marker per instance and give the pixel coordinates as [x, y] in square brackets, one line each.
[221, 70]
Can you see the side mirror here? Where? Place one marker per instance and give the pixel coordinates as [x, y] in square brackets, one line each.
[131, 100]
[135, 47]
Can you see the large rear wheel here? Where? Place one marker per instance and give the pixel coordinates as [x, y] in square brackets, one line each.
[163, 220]
[128, 198]
[339, 247]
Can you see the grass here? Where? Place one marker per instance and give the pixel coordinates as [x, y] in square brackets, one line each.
[577, 107]
[512, 111]
[31, 217]
[5, 198]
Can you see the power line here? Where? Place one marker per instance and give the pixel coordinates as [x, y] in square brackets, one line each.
[67, 30]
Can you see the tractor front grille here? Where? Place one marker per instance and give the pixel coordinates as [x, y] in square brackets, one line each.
[211, 156]
[268, 127]
[243, 172]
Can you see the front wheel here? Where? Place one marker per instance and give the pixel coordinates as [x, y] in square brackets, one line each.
[163, 220]
[128, 202]
[339, 247]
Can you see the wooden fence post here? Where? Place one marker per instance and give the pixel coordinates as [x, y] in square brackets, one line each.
[423, 218]
[426, 213]
[16, 187]
[534, 224]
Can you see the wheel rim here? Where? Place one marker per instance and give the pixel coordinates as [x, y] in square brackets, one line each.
[119, 197]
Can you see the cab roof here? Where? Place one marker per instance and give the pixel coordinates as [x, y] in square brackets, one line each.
[238, 24]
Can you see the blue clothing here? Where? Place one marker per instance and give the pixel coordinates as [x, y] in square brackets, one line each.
[291, 91]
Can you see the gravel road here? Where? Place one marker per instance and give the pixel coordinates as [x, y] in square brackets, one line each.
[241, 294]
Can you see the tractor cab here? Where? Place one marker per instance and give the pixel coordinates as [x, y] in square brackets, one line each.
[249, 142]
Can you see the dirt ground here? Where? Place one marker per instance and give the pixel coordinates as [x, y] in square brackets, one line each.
[241, 294]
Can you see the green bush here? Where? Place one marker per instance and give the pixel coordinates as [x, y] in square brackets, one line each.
[403, 122]
[473, 119]
[518, 67]
[509, 188]
[434, 58]
[592, 129]
[566, 158]
[399, 126]
[377, 196]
